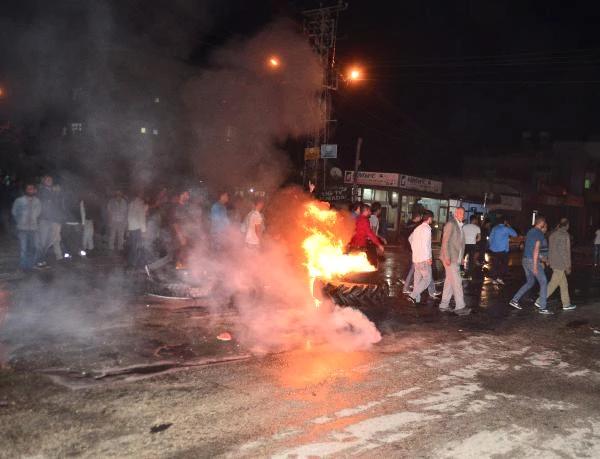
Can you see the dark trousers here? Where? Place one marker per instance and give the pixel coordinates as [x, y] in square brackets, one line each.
[470, 250]
[135, 249]
[499, 265]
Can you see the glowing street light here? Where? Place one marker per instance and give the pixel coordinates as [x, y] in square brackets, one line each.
[274, 62]
[355, 74]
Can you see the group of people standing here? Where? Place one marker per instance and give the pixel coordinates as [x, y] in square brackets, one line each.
[462, 242]
[38, 215]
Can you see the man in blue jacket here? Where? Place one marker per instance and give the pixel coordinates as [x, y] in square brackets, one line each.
[499, 248]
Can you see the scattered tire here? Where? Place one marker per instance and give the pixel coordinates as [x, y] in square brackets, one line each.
[353, 294]
[173, 291]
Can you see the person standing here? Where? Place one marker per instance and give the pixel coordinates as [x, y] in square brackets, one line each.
[26, 211]
[254, 225]
[117, 221]
[452, 252]
[532, 265]
[416, 220]
[50, 219]
[219, 222]
[559, 259]
[375, 222]
[364, 239]
[499, 249]
[420, 243]
[136, 227]
[472, 233]
[597, 248]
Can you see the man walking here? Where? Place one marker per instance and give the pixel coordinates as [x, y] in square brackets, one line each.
[499, 248]
[51, 219]
[136, 227]
[420, 243]
[533, 267]
[472, 233]
[559, 259]
[219, 222]
[452, 251]
[117, 221]
[416, 220]
[26, 210]
[254, 226]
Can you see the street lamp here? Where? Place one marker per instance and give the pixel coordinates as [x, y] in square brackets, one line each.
[354, 74]
[273, 62]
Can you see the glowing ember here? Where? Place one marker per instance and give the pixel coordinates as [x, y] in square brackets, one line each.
[325, 251]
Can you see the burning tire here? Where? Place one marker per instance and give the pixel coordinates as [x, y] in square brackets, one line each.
[354, 294]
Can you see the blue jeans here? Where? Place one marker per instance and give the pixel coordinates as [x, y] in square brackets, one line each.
[531, 278]
[135, 250]
[28, 248]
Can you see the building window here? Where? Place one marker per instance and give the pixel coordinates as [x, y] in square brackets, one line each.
[76, 128]
[143, 130]
[155, 131]
[367, 194]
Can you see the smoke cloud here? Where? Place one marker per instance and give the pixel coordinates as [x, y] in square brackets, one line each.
[242, 107]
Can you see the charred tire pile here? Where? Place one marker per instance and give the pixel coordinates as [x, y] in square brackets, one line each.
[169, 290]
[355, 294]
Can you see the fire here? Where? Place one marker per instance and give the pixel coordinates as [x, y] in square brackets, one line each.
[324, 250]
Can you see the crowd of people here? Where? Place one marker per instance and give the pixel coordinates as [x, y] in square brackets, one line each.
[50, 228]
[53, 225]
[462, 252]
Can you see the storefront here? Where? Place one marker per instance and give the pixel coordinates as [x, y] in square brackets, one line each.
[400, 196]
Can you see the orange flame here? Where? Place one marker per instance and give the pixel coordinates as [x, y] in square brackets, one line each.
[324, 250]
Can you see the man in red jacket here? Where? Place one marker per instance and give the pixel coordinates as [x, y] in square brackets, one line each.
[364, 238]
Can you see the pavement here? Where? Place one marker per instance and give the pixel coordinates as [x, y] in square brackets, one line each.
[92, 368]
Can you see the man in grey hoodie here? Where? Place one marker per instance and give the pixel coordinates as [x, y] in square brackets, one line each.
[559, 259]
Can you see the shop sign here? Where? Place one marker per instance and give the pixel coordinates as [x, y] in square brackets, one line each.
[365, 178]
[338, 193]
[409, 182]
[329, 151]
[312, 153]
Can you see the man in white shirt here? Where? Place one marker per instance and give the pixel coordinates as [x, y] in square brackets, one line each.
[472, 233]
[254, 223]
[136, 226]
[420, 243]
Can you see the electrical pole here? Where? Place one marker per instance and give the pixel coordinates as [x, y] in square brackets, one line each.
[320, 25]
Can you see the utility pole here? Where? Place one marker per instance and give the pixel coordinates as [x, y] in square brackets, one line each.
[356, 165]
[320, 25]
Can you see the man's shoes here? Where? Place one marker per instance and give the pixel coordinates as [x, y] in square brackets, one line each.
[515, 304]
[499, 281]
[435, 295]
[445, 309]
[41, 264]
[569, 307]
[538, 305]
[411, 300]
[545, 311]
[462, 311]
[407, 292]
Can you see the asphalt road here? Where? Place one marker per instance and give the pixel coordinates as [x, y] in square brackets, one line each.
[94, 370]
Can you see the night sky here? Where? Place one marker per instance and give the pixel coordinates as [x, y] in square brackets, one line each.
[444, 79]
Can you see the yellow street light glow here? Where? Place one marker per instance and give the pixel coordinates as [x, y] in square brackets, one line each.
[354, 74]
[274, 62]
